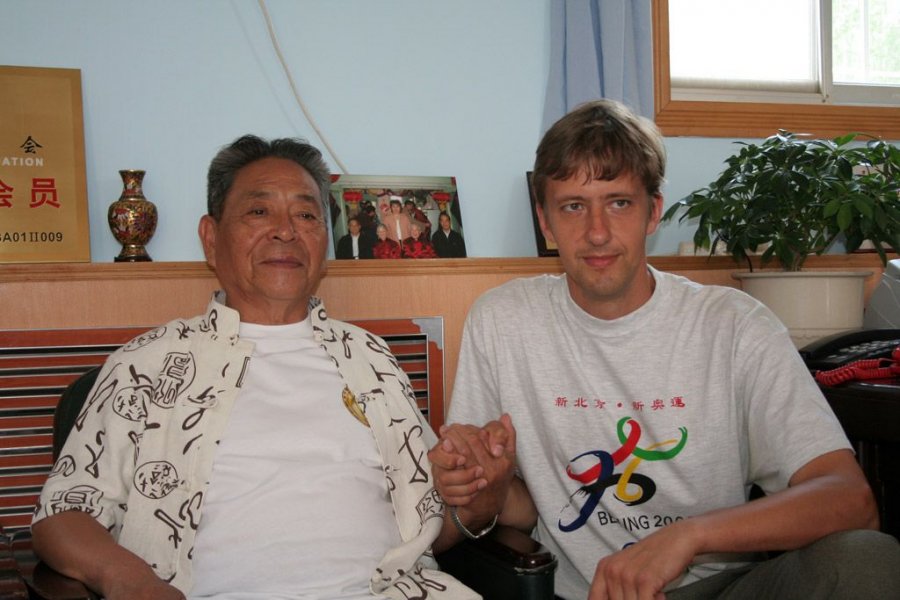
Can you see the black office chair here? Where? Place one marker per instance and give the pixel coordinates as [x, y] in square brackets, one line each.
[504, 565]
[69, 406]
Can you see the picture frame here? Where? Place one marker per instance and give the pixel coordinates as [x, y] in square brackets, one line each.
[43, 182]
[544, 246]
[369, 200]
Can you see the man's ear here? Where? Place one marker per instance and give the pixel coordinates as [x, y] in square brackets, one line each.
[207, 230]
[656, 207]
[542, 221]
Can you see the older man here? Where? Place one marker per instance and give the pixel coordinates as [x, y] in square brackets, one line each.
[261, 450]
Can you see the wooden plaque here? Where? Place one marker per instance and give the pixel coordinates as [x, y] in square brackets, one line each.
[43, 189]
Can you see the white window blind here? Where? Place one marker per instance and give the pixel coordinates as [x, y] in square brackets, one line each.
[796, 51]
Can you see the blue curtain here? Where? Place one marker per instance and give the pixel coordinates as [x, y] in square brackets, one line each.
[599, 49]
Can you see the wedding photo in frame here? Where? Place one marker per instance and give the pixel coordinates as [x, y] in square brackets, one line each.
[544, 246]
[382, 216]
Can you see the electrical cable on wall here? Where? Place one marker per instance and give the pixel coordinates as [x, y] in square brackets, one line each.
[287, 71]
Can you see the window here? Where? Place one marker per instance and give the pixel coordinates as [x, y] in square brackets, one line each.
[811, 80]
[863, 51]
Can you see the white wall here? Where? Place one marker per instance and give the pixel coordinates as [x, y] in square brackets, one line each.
[400, 87]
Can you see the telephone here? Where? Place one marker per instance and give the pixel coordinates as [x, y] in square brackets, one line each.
[839, 349]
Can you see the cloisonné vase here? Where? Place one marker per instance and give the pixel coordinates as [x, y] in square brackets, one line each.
[132, 218]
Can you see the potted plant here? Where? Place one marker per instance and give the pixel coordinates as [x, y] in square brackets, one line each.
[792, 196]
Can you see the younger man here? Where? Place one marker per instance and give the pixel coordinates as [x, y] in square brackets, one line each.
[646, 405]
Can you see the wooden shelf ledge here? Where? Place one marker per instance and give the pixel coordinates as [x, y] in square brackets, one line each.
[464, 266]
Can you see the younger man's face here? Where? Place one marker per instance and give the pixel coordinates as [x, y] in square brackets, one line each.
[600, 228]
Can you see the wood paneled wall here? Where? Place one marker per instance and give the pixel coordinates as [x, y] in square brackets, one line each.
[115, 295]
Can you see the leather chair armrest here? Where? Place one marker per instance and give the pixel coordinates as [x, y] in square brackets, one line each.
[47, 584]
[506, 564]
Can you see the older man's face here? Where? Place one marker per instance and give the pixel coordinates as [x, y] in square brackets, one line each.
[269, 247]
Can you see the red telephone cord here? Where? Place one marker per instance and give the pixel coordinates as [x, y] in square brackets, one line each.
[873, 368]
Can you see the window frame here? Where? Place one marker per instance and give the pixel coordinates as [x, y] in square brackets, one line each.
[753, 119]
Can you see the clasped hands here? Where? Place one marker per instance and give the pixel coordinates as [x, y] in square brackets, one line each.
[473, 468]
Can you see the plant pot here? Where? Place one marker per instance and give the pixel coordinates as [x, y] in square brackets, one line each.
[811, 304]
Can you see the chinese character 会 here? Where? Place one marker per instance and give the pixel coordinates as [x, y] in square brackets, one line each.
[30, 146]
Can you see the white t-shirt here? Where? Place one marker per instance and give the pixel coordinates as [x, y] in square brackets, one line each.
[625, 426]
[297, 506]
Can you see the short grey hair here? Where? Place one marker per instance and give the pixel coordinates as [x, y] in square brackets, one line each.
[250, 148]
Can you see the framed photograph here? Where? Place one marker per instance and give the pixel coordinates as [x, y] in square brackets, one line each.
[43, 187]
[544, 247]
[380, 216]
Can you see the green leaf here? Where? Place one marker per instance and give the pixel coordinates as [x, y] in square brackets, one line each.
[831, 207]
[845, 139]
[845, 217]
[672, 211]
[864, 205]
